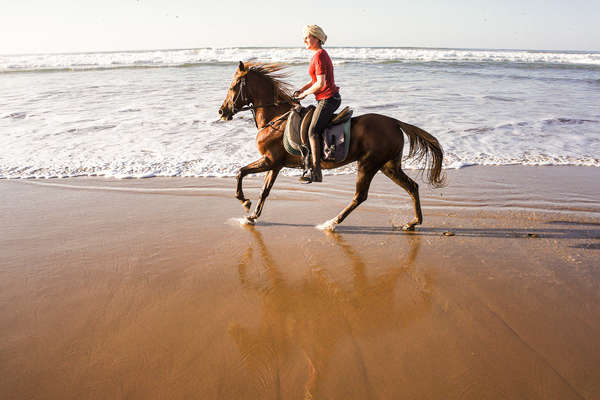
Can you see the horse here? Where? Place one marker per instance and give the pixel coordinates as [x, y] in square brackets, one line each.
[376, 142]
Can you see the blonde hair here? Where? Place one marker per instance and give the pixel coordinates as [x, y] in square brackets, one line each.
[316, 31]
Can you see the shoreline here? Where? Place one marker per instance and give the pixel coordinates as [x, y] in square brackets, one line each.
[546, 189]
[150, 288]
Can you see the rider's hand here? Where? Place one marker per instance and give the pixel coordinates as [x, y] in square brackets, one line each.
[296, 93]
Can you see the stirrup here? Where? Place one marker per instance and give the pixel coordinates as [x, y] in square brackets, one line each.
[306, 176]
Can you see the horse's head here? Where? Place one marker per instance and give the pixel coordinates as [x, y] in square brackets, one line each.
[237, 96]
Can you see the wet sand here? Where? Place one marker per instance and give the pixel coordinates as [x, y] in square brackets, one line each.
[150, 289]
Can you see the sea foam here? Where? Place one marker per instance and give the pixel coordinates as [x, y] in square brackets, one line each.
[290, 55]
[107, 114]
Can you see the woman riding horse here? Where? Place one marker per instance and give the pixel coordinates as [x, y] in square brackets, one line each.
[376, 142]
[327, 94]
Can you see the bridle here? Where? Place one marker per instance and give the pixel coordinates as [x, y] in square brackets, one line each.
[246, 99]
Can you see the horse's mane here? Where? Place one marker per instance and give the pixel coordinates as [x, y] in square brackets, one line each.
[272, 72]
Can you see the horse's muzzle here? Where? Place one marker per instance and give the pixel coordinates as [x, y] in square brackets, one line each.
[225, 114]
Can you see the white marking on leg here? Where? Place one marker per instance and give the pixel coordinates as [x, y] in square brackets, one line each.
[408, 227]
[241, 221]
[327, 225]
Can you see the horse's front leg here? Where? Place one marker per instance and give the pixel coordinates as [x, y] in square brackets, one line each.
[269, 181]
[255, 167]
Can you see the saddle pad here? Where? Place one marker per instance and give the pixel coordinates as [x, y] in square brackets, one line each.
[291, 134]
[336, 142]
[340, 139]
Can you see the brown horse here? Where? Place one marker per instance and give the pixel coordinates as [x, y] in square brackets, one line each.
[376, 142]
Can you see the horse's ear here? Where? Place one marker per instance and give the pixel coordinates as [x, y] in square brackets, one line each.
[241, 66]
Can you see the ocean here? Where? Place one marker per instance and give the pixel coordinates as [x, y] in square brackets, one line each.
[141, 114]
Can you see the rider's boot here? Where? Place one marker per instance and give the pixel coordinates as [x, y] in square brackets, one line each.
[315, 146]
[306, 163]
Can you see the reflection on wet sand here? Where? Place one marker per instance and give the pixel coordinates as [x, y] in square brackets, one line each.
[316, 324]
[103, 297]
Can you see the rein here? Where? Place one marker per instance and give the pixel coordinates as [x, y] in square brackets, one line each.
[272, 122]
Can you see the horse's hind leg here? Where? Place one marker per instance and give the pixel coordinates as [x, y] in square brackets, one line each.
[363, 182]
[269, 181]
[257, 166]
[393, 171]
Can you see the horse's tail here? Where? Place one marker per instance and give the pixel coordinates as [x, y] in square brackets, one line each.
[424, 146]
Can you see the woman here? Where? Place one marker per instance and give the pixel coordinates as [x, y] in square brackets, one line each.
[322, 85]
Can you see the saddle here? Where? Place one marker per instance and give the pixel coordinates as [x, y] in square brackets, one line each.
[336, 137]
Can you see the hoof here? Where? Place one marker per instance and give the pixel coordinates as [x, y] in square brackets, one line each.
[408, 227]
[247, 204]
[250, 220]
[327, 226]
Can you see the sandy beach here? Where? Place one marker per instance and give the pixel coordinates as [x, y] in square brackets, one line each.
[151, 288]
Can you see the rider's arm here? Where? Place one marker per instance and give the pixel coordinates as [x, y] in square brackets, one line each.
[310, 89]
[303, 88]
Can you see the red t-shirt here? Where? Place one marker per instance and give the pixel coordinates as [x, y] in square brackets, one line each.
[321, 64]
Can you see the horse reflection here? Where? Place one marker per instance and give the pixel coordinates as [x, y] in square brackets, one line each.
[324, 321]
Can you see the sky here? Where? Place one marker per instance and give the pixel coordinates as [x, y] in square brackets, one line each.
[51, 26]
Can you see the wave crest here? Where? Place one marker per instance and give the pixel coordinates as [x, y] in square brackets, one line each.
[291, 55]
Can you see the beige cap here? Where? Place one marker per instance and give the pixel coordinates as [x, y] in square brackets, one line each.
[316, 31]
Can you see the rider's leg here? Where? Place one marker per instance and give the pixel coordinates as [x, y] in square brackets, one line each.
[320, 119]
